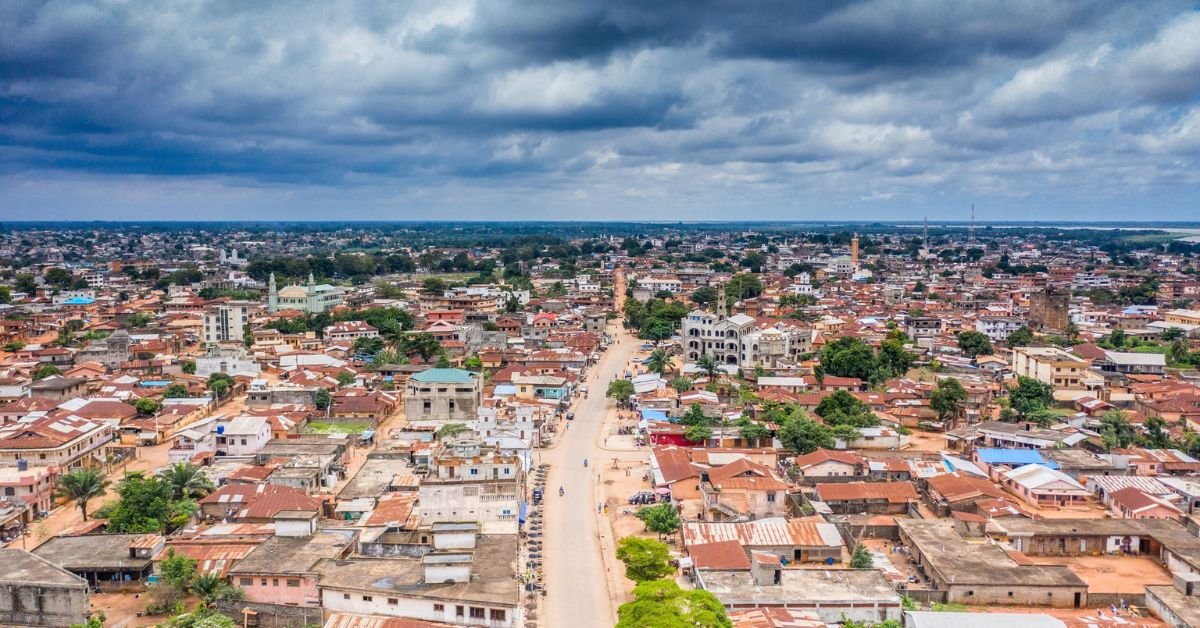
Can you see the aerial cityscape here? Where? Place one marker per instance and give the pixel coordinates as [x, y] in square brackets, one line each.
[506, 314]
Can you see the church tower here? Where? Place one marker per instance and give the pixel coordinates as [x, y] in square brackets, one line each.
[722, 307]
[272, 295]
[854, 252]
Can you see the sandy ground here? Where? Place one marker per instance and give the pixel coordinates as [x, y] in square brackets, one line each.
[582, 575]
[1112, 574]
[1077, 617]
[926, 441]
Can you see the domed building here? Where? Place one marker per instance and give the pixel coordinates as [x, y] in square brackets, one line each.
[312, 298]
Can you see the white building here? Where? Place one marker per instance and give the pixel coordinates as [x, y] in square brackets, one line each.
[737, 340]
[997, 328]
[242, 436]
[226, 322]
[468, 482]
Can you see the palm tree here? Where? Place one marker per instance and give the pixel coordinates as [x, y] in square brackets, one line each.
[709, 366]
[186, 481]
[81, 485]
[659, 361]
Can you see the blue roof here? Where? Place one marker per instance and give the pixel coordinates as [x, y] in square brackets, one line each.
[79, 301]
[445, 376]
[654, 415]
[1013, 457]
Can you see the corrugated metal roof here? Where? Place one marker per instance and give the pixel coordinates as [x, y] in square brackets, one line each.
[764, 532]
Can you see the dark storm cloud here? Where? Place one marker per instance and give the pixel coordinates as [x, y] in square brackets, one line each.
[620, 100]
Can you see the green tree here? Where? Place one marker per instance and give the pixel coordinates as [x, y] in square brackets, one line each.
[322, 399]
[1115, 430]
[974, 343]
[698, 433]
[842, 408]
[645, 559]
[1023, 337]
[681, 384]
[659, 361]
[188, 366]
[345, 378]
[662, 519]
[803, 435]
[709, 366]
[211, 588]
[450, 430]
[754, 431]
[176, 391]
[420, 344]
[694, 415]
[620, 389]
[177, 570]
[704, 295]
[145, 505]
[81, 486]
[186, 481]
[473, 363]
[364, 345]
[220, 384]
[1157, 436]
[1172, 334]
[849, 357]
[861, 559]
[25, 283]
[947, 398]
[93, 621]
[1029, 395]
[433, 285]
[147, 406]
[743, 286]
[662, 604]
[46, 370]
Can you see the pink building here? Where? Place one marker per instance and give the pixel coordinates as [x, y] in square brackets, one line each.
[280, 571]
[1132, 503]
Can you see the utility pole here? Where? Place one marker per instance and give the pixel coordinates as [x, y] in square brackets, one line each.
[971, 231]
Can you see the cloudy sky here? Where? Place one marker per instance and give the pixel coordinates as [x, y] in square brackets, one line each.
[678, 110]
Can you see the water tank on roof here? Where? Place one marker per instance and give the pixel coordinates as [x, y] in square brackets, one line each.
[22, 464]
[220, 429]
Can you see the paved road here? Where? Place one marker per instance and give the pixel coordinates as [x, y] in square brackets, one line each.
[579, 594]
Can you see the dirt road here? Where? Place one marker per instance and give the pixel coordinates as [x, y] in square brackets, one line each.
[577, 579]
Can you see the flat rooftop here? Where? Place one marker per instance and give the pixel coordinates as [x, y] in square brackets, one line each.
[802, 587]
[294, 554]
[959, 561]
[97, 552]
[373, 479]
[22, 568]
[493, 575]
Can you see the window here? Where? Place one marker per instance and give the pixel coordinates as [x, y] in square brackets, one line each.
[476, 612]
[474, 471]
[367, 598]
[246, 582]
[458, 611]
[263, 583]
[393, 601]
[439, 608]
[345, 596]
[770, 496]
[496, 614]
[274, 582]
[9, 491]
[293, 582]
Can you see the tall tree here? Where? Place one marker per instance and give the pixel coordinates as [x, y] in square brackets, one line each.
[947, 398]
[645, 559]
[81, 486]
[659, 361]
[186, 480]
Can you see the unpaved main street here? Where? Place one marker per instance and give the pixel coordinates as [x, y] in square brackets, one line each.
[581, 589]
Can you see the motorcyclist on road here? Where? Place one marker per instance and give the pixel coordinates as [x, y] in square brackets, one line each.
[561, 491]
[585, 462]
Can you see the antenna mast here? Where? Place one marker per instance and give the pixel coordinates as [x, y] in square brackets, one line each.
[971, 232]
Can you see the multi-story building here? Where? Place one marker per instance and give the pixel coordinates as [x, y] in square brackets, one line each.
[226, 322]
[738, 340]
[349, 331]
[443, 396]
[30, 484]
[470, 482]
[312, 298]
[997, 328]
[1052, 366]
[64, 442]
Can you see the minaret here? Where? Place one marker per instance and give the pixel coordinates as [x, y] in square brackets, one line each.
[854, 252]
[311, 295]
[272, 295]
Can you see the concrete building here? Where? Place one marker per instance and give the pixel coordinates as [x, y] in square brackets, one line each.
[283, 569]
[443, 396]
[738, 341]
[468, 482]
[997, 328]
[1052, 366]
[1048, 310]
[312, 298]
[39, 593]
[863, 595]
[66, 443]
[226, 322]
[112, 351]
[109, 561]
[467, 580]
[983, 573]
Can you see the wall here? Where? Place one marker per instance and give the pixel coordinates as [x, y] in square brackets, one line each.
[1017, 594]
[273, 615]
[398, 605]
[42, 605]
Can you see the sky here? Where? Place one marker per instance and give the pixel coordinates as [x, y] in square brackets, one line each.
[613, 109]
